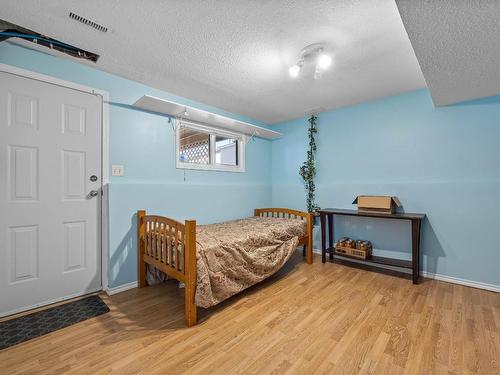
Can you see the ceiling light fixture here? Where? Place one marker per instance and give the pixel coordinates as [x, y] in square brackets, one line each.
[314, 54]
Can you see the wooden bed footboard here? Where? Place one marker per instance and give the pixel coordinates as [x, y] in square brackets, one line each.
[286, 213]
[170, 246]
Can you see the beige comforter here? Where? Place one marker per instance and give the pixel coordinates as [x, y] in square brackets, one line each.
[235, 255]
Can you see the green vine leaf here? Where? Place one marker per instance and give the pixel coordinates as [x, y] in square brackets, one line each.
[308, 170]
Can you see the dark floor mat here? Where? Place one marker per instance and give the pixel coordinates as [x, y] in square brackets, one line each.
[40, 323]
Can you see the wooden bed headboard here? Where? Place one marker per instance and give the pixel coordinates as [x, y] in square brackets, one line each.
[286, 213]
[169, 246]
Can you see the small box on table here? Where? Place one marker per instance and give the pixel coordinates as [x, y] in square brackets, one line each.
[377, 203]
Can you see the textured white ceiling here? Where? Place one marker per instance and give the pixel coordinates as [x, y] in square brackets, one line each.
[235, 54]
[457, 43]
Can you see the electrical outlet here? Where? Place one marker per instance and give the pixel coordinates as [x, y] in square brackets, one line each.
[117, 170]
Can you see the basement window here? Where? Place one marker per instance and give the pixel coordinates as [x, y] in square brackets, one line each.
[204, 147]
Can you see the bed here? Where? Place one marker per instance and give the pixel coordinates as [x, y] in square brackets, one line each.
[216, 261]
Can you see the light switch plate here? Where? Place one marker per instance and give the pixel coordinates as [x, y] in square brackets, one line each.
[117, 170]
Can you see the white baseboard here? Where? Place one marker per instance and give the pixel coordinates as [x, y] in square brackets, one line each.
[121, 288]
[457, 280]
[448, 279]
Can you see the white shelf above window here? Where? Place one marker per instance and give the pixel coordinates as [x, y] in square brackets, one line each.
[167, 107]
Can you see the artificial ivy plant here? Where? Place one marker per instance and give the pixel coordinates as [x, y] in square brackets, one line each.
[308, 170]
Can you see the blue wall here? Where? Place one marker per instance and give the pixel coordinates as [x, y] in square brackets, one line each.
[136, 140]
[444, 162]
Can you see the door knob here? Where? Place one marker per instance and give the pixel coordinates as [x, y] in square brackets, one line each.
[93, 178]
[93, 193]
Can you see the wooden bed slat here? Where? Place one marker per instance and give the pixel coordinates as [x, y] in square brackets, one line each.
[168, 245]
[161, 248]
[179, 261]
[150, 241]
[152, 249]
[152, 235]
[158, 241]
[175, 248]
[155, 240]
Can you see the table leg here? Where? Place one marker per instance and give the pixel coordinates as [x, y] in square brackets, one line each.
[415, 249]
[330, 234]
[418, 247]
[323, 237]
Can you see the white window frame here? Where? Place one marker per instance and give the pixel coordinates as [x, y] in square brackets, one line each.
[213, 166]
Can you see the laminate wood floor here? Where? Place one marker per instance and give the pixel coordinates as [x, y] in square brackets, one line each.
[307, 319]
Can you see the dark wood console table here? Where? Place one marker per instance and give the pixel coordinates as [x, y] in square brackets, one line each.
[415, 219]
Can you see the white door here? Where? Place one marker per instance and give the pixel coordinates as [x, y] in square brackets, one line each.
[50, 193]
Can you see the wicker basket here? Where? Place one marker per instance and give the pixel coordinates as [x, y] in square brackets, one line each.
[354, 253]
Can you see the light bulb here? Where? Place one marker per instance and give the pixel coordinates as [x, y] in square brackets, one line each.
[294, 71]
[324, 61]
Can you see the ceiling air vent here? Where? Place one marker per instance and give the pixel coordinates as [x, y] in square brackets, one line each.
[88, 22]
